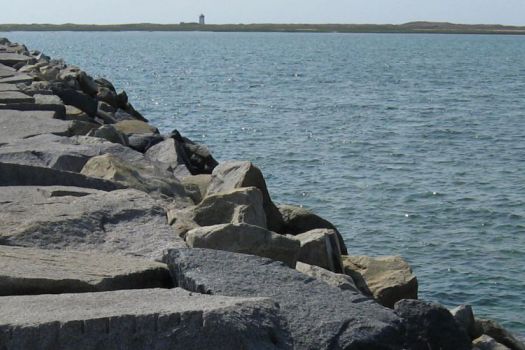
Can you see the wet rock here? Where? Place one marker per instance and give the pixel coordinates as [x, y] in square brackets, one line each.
[122, 222]
[318, 316]
[338, 280]
[140, 319]
[28, 271]
[389, 279]
[230, 175]
[431, 326]
[299, 220]
[320, 247]
[487, 343]
[243, 205]
[498, 333]
[247, 239]
[112, 168]
[464, 316]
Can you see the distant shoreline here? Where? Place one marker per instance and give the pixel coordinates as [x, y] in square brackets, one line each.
[412, 27]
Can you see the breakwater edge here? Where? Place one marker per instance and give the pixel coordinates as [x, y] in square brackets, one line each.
[97, 178]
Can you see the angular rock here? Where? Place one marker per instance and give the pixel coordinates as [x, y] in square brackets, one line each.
[318, 316]
[320, 247]
[247, 239]
[498, 333]
[14, 97]
[464, 316]
[487, 343]
[73, 113]
[123, 222]
[75, 98]
[165, 153]
[230, 175]
[26, 175]
[196, 185]
[63, 153]
[389, 278]
[140, 319]
[431, 326]
[129, 127]
[24, 124]
[109, 133]
[8, 87]
[299, 220]
[10, 59]
[27, 271]
[338, 280]
[112, 168]
[142, 142]
[239, 206]
[17, 78]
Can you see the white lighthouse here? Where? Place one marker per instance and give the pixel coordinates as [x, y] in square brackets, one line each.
[201, 20]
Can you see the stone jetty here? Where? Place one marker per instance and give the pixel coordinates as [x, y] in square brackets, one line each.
[115, 236]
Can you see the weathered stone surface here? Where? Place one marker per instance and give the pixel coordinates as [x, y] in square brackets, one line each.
[23, 124]
[431, 326]
[338, 280]
[318, 316]
[320, 247]
[230, 175]
[27, 175]
[140, 319]
[14, 97]
[388, 278]
[124, 222]
[165, 153]
[17, 78]
[299, 220]
[8, 87]
[109, 133]
[243, 205]
[63, 153]
[142, 142]
[10, 59]
[196, 185]
[464, 316]
[129, 127]
[247, 239]
[136, 176]
[25, 271]
[498, 333]
[487, 343]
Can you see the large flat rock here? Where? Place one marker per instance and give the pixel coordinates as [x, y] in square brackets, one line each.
[318, 316]
[14, 97]
[10, 59]
[23, 124]
[140, 319]
[63, 153]
[7, 87]
[124, 222]
[25, 271]
[17, 78]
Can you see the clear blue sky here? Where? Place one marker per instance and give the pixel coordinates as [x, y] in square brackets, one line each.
[262, 11]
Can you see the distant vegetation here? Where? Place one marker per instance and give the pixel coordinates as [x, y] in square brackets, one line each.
[413, 27]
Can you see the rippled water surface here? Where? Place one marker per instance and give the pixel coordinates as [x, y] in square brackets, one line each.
[411, 144]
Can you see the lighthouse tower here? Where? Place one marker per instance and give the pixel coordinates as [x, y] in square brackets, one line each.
[201, 20]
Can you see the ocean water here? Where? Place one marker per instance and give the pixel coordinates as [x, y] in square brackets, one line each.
[412, 145]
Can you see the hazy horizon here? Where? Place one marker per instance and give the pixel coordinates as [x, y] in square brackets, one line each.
[505, 12]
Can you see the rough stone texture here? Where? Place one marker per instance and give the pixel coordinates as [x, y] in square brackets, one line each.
[17, 78]
[136, 176]
[247, 239]
[142, 142]
[25, 271]
[109, 133]
[338, 280]
[26, 175]
[7, 87]
[10, 59]
[23, 124]
[298, 220]
[431, 326]
[197, 185]
[124, 222]
[165, 153]
[388, 278]
[129, 127]
[230, 175]
[243, 205]
[487, 343]
[498, 333]
[14, 97]
[320, 247]
[63, 153]
[154, 319]
[464, 316]
[318, 316]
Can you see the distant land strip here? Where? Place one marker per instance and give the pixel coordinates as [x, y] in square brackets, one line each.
[412, 27]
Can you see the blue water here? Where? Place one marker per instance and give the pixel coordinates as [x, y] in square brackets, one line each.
[411, 144]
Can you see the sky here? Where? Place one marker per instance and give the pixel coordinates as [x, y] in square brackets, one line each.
[510, 12]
